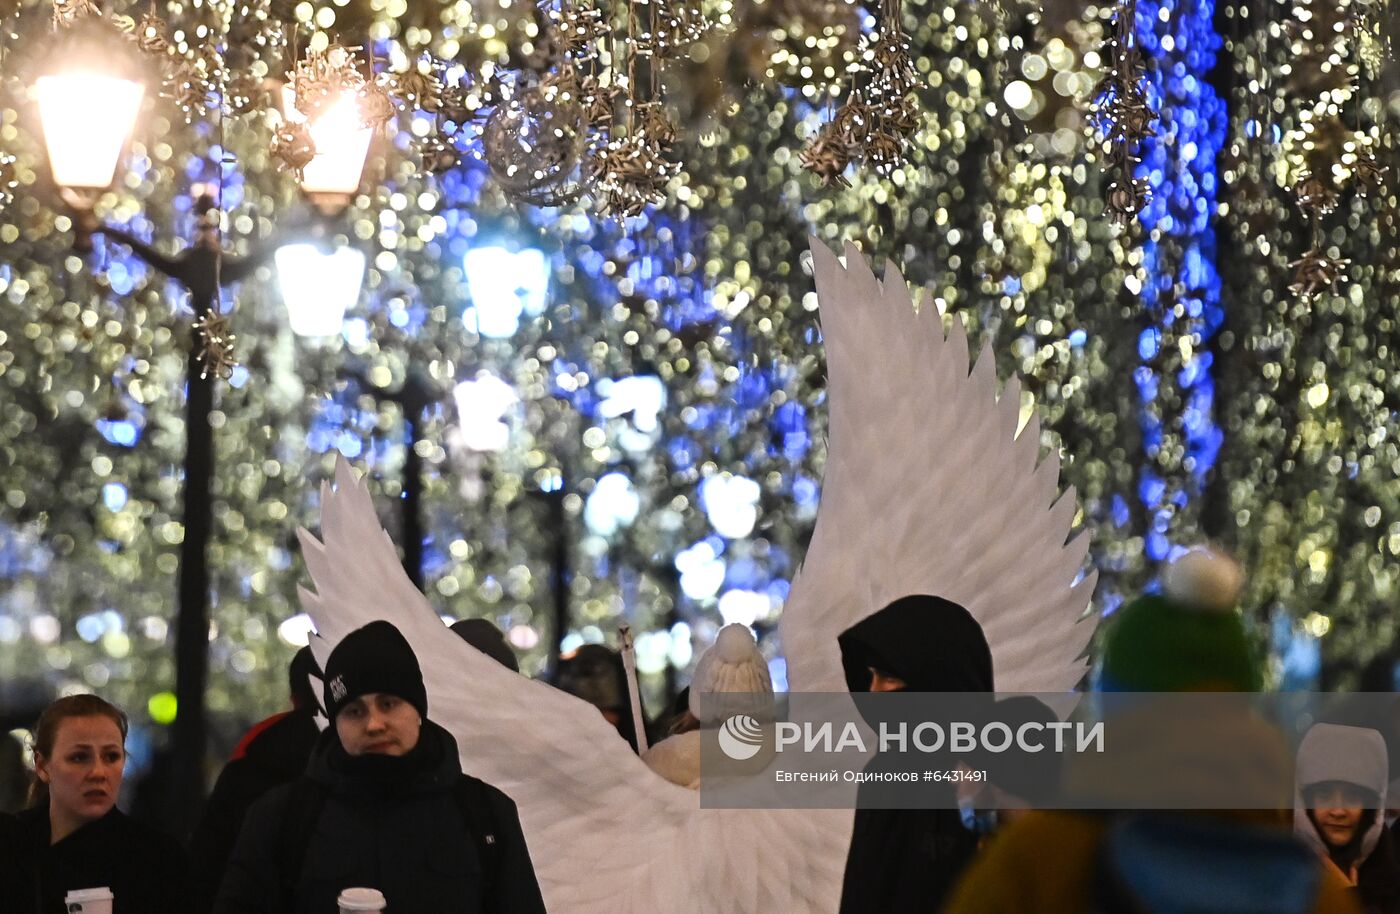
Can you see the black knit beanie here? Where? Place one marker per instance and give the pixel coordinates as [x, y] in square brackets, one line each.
[376, 658]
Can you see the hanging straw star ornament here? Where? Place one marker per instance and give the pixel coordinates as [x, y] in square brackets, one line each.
[216, 352]
[632, 175]
[293, 146]
[67, 12]
[1370, 173]
[456, 106]
[1125, 199]
[439, 154]
[826, 155]
[376, 107]
[420, 89]
[153, 34]
[1315, 195]
[323, 77]
[1317, 271]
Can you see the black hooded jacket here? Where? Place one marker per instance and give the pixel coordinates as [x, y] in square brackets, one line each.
[276, 755]
[146, 870]
[909, 859]
[392, 824]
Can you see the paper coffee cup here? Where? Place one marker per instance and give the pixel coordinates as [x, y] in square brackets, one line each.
[89, 901]
[359, 901]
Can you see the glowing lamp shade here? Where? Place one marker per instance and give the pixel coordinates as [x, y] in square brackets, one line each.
[731, 504]
[612, 505]
[87, 118]
[481, 407]
[318, 286]
[341, 147]
[504, 285]
[342, 143]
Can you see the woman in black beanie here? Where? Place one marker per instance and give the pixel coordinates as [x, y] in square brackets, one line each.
[384, 805]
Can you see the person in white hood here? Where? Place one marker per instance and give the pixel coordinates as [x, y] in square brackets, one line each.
[730, 678]
[1341, 781]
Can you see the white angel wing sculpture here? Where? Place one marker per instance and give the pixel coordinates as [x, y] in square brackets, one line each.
[606, 833]
[927, 490]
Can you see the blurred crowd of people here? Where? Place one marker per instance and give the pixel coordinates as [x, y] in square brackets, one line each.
[378, 798]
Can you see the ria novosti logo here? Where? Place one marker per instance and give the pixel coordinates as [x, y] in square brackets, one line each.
[740, 737]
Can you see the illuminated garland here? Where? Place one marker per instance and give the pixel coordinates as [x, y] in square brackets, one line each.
[1125, 116]
[1333, 43]
[1180, 284]
[880, 115]
[1004, 230]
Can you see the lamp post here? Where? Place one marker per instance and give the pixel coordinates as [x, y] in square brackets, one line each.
[87, 118]
[482, 403]
[560, 573]
[203, 270]
[414, 396]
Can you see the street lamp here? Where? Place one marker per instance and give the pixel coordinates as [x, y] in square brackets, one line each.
[341, 140]
[482, 404]
[87, 117]
[318, 286]
[504, 284]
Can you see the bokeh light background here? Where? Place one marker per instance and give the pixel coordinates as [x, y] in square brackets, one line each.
[667, 375]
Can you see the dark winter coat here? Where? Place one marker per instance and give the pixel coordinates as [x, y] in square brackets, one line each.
[146, 870]
[1378, 878]
[273, 753]
[387, 823]
[909, 859]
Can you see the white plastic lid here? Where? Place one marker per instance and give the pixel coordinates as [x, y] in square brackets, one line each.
[361, 900]
[78, 896]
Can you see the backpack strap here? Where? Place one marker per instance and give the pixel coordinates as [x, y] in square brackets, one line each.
[304, 806]
[479, 817]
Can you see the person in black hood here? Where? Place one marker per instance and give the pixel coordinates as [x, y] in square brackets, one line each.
[274, 752]
[384, 805]
[909, 859]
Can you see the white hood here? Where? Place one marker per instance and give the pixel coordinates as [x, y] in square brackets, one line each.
[1354, 755]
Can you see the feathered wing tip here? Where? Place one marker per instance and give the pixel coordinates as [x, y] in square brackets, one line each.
[930, 488]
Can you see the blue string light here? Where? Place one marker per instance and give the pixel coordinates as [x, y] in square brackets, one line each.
[1179, 257]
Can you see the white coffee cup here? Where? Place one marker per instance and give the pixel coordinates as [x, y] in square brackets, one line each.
[360, 901]
[89, 901]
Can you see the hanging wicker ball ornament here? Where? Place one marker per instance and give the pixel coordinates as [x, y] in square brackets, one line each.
[533, 144]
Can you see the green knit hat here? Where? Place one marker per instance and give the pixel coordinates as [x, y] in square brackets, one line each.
[1190, 638]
